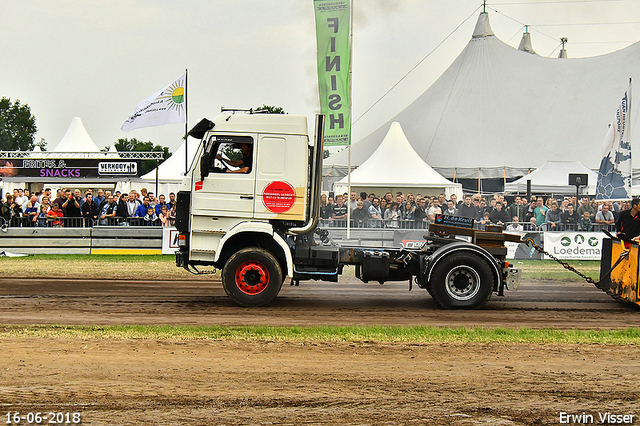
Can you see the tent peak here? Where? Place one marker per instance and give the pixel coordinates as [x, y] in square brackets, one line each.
[525, 43]
[76, 139]
[563, 51]
[408, 170]
[483, 28]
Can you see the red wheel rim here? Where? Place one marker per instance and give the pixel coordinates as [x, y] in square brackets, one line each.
[252, 277]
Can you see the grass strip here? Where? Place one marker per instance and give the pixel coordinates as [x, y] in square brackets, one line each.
[549, 270]
[368, 334]
[122, 267]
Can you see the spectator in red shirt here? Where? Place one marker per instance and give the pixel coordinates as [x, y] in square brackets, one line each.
[55, 214]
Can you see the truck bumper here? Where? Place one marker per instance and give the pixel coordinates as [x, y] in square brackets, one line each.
[513, 278]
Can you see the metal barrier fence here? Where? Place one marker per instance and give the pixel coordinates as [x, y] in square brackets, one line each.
[376, 224]
[75, 222]
[70, 240]
[562, 227]
[410, 224]
[79, 222]
[134, 238]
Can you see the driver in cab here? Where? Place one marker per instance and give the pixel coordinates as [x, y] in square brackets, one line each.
[244, 163]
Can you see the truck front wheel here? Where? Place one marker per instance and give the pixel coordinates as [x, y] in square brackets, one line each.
[461, 281]
[252, 277]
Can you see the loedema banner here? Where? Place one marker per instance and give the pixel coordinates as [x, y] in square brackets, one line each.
[168, 106]
[574, 245]
[334, 66]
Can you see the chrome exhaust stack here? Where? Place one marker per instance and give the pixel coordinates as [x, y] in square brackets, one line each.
[316, 181]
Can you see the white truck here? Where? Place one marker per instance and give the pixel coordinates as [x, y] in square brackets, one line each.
[249, 205]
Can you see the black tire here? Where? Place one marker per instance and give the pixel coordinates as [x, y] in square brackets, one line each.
[252, 277]
[429, 288]
[461, 281]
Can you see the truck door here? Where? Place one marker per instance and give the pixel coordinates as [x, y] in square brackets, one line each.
[281, 177]
[229, 189]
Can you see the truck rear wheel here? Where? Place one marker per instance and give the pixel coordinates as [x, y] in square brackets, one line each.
[461, 281]
[252, 277]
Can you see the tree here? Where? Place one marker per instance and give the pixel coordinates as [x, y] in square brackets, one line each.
[17, 126]
[270, 109]
[326, 153]
[42, 144]
[134, 145]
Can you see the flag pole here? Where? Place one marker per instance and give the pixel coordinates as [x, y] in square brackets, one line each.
[350, 120]
[157, 178]
[629, 131]
[186, 122]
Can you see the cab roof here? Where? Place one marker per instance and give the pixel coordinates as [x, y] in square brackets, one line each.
[261, 123]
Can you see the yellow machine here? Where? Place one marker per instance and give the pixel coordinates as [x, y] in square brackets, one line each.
[619, 269]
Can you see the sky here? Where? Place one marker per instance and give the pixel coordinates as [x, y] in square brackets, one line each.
[97, 59]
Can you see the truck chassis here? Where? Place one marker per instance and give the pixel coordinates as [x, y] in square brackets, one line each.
[460, 268]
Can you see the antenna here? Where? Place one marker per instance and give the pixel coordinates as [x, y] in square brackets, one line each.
[234, 110]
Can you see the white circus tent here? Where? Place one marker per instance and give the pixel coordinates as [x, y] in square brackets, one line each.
[553, 178]
[395, 166]
[500, 111]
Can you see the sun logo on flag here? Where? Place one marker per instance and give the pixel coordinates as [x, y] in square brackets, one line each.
[174, 96]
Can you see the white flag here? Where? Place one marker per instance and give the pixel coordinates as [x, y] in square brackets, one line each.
[168, 106]
[614, 176]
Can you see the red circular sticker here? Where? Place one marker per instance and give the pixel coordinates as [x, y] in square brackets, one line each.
[279, 196]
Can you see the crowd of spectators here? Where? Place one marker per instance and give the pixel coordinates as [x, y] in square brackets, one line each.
[73, 209]
[520, 214]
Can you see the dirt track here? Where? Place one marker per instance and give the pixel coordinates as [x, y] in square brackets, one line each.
[535, 304]
[221, 382]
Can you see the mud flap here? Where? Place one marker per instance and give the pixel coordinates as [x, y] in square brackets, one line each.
[605, 265]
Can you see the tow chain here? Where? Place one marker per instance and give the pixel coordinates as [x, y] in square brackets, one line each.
[568, 267]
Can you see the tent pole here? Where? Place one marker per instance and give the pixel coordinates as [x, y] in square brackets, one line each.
[629, 132]
[350, 120]
[348, 202]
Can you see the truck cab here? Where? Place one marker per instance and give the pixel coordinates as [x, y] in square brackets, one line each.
[249, 187]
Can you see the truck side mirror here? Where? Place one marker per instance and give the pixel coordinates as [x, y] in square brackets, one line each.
[205, 160]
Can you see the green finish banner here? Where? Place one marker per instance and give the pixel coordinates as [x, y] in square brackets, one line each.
[334, 64]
